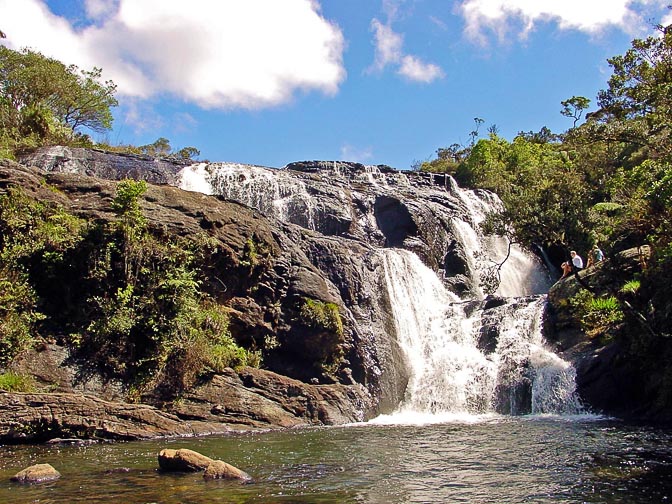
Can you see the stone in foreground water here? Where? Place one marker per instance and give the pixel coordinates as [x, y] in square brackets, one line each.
[38, 473]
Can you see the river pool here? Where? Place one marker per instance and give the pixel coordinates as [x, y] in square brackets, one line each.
[479, 460]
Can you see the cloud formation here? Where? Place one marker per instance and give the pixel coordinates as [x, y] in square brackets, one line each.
[389, 51]
[251, 54]
[501, 16]
[358, 155]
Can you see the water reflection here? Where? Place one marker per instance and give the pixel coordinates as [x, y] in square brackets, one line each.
[524, 459]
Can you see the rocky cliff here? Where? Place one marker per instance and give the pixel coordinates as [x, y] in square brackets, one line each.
[621, 370]
[264, 300]
[299, 257]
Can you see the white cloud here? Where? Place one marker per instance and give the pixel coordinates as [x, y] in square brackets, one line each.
[251, 54]
[357, 155]
[100, 9]
[141, 116]
[592, 16]
[414, 69]
[388, 45]
[667, 20]
[389, 51]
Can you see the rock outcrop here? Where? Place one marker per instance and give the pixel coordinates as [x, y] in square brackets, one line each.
[613, 375]
[264, 301]
[31, 418]
[105, 165]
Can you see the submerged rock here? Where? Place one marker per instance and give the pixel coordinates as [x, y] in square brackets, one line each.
[221, 470]
[183, 460]
[38, 473]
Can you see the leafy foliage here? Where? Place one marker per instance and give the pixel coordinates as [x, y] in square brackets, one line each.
[14, 382]
[599, 316]
[127, 299]
[607, 180]
[45, 102]
[160, 148]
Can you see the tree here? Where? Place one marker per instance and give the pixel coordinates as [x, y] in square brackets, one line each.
[636, 108]
[160, 148]
[574, 107]
[43, 101]
[188, 153]
[87, 104]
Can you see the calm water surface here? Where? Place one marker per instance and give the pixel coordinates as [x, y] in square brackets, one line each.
[502, 460]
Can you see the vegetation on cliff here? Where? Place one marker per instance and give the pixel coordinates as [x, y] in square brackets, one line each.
[44, 102]
[126, 298]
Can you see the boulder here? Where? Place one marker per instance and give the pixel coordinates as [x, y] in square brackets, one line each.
[183, 460]
[38, 473]
[219, 469]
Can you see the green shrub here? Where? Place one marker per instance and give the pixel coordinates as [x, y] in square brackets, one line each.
[631, 287]
[18, 315]
[126, 203]
[129, 298]
[598, 315]
[321, 315]
[14, 382]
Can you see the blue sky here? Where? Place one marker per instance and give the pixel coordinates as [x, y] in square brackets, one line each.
[376, 81]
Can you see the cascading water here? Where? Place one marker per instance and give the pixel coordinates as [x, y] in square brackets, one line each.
[521, 273]
[265, 189]
[460, 356]
[450, 372]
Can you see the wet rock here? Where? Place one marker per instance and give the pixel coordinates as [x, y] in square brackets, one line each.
[183, 460]
[38, 473]
[260, 398]
[221, 470]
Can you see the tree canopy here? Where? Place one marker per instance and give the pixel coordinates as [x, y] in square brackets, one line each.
[45, 102]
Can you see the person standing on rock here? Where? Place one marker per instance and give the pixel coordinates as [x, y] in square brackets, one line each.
[577, 262]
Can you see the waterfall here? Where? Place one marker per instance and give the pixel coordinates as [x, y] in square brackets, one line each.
[439, 353]
[522, 273]
[455, 368]
[195, 178]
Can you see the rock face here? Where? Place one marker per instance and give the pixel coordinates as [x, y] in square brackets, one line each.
[327, 231]
[610, 379]
[105, 165]
[38, 473]
[30, 418]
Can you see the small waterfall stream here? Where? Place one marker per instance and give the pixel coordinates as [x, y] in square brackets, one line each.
[269, 191]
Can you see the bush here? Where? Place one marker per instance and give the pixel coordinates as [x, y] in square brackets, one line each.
[13, 382]
[320, 315]
[599, 316]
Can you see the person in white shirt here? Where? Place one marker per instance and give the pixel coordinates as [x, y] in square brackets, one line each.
[577, 262]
